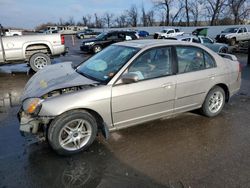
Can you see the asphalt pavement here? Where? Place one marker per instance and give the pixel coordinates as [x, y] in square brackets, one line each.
[188, 150]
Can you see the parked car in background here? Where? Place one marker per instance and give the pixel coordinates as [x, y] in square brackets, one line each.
[103, 40]
[87, 33]
[37, 50]
[165, 33]
[142, 33]
[127, 83]
[206, 41]
[233, 35]
[12, 32]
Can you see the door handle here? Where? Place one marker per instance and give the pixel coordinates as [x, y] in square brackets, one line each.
[167, 85]
[212, 76]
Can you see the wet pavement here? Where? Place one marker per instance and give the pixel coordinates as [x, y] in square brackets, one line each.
[189, 150]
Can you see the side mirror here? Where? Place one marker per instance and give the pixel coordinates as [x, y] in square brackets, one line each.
[128, 78]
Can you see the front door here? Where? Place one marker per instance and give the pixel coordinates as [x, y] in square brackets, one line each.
[149, 98]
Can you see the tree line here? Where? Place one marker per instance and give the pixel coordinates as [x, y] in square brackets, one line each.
[170, 13]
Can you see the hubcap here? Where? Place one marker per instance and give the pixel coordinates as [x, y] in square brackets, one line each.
[75, 134]
[98, 49]
[215, 102]
[40, 62]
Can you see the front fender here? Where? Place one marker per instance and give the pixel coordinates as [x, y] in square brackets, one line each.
[97, 99]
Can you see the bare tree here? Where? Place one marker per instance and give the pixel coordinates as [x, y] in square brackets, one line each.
[108, 19]
[121, 20]
[87, 19]
[150, 17]
[71, 21]
[187, 12]
[144, 16]
[214, 8]
[238, 9]
[165, 5]
[133, 15]
[61, 22]
[98, 21]
[181, 6]
[195, 11]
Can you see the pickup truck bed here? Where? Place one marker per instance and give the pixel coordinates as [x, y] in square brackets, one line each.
[24, 48]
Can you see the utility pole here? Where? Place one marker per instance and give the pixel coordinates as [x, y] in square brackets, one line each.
[1, 42]
[248, 58]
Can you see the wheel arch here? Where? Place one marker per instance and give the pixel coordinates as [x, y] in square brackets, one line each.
[101, 125]
[31, 48]
[226, 90]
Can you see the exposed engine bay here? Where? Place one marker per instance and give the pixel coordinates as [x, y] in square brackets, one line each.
[66, 90]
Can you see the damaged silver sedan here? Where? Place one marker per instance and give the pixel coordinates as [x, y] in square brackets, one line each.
[126, 84]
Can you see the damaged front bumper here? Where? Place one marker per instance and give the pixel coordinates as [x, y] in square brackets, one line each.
[32, 125]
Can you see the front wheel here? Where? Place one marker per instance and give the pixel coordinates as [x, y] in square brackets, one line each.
[232, 42]
[72, 132]
[97, 48]
[38, 61]
[214, 102]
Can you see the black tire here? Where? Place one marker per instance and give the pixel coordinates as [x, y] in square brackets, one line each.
[223, 50]
[232, 42]
[205, 109]
[38, 61]
[59, 123]
[97, 48]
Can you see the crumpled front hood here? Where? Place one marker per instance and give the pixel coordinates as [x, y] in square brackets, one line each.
[54, 77]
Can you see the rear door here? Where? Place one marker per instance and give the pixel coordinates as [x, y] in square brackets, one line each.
[111, 38]
[152, 96]
[196, 74]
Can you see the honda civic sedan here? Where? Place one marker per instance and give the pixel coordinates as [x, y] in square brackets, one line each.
[126, 84]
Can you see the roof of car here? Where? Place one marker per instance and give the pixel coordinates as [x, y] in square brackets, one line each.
[151, 43]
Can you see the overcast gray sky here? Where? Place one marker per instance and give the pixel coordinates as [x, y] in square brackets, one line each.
[30, 13]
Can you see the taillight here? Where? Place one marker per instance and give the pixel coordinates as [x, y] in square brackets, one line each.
[62, 39]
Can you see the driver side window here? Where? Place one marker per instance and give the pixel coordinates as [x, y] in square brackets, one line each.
[153, 63]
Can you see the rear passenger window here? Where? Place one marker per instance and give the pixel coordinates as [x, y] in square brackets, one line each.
[209, 61]
[190, 59]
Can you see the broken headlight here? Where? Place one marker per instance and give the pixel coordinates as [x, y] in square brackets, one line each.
[32, 105]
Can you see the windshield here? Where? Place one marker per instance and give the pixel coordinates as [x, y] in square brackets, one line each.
[101, 36]
[230, 30]
[105, 64]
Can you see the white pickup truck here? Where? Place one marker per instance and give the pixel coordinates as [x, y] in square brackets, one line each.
[166, 33]
[233, 35]
[37, 50]
[12, 32]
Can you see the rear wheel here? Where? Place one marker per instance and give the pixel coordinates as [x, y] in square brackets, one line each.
[223, 50]
[38, 61]
[214, 102]
[72, 132]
